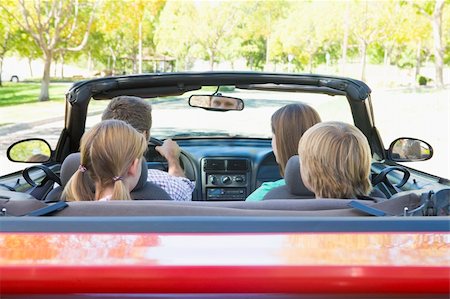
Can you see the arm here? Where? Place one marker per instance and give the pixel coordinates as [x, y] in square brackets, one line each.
[171, 151]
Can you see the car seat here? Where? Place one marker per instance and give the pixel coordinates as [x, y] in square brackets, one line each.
[296, 189]
[142, 190]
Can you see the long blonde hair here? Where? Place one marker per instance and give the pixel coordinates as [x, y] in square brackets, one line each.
[107, 152]
[289, 123]
[335, 160]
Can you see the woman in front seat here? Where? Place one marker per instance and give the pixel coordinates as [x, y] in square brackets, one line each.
[335, 159]
[288, 125]
[111, 154]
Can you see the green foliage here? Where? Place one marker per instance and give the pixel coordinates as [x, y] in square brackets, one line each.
[422, 80]
[405, 58]
[254, 52]
[227, 30]
[376, 53]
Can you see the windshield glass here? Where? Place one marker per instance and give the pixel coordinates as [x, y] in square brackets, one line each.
[174, 118]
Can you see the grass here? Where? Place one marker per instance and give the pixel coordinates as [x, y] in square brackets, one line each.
[22, 93]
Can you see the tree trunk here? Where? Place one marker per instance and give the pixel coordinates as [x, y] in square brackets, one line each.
[345, 41]
[89, 62]
[310, 63]
[113, 56]
[267, 63]
[211, 59]
[30, 66]
[1, 70]
[55, 68]
[363, 60]
[211, 63]
[140, 47]
[62, 65]
[418, 62]
[44, 96]
[387, 51]
[437, 36]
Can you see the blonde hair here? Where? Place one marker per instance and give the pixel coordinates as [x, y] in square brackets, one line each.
[107, 152]
[289, 123]
[335, 161]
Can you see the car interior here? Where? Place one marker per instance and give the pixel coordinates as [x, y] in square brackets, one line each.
[225, 168]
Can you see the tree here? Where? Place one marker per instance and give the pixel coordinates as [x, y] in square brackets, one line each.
[126, 38]
[410, 34]
[53, 25]
[209, 26]
[366, 28]
[214, 26]
[6, 35]
[310, 29]
[433, 10]
[173, 33]
[257, 32]
[25, 47]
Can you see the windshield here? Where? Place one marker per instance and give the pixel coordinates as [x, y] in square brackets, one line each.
[174, 118]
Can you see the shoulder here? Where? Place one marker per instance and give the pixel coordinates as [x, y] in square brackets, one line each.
[262, 190]
[159, 175]
[178, 188]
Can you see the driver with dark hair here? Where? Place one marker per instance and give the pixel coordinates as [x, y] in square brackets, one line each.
[138, 113]
[225, 103]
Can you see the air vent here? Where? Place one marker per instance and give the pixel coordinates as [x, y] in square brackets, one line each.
[214, 164]
[237, 164]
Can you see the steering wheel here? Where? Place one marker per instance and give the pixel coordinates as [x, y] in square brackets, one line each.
[49, 175]
[382, 177]
[153, 155]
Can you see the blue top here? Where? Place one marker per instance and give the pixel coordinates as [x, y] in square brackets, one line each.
[259, 193]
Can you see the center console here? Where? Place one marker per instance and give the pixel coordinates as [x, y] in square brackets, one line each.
[225, 178]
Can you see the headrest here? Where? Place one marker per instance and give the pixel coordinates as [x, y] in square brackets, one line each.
[293, 178]
[72, 162]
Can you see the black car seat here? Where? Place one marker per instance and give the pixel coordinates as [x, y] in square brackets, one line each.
[296, 189]
[143, 190]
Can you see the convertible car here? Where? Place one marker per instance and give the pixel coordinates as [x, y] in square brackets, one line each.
[395, 244]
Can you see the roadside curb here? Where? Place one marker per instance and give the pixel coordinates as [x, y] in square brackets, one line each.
[9, 129]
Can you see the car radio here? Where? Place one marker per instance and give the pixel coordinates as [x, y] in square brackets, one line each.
[226, 193]
[225, 178]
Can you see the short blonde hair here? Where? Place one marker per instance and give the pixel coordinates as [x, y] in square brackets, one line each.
[107, 151]
[335, 160]
[288, 125]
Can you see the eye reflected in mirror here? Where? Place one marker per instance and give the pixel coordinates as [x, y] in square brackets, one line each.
[409, 150]
[29, 151]
[216, 102]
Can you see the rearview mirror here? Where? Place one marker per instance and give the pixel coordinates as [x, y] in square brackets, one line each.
[409, 150]
[216, 102]
[29, 151]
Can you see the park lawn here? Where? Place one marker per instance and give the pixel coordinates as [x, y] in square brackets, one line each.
[23, 93]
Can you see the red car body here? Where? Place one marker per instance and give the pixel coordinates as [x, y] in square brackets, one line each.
[253, 263]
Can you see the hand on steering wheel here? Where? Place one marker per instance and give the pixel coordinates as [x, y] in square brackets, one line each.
[166, 153]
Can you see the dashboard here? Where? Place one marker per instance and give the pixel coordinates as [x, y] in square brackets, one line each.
[224, 168]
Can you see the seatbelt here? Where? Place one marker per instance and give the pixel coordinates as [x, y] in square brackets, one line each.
[46, 211]
[366, 209]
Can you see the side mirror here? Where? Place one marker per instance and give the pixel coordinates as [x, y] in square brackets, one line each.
[409, 150]
[29, 151]
[216, 102]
